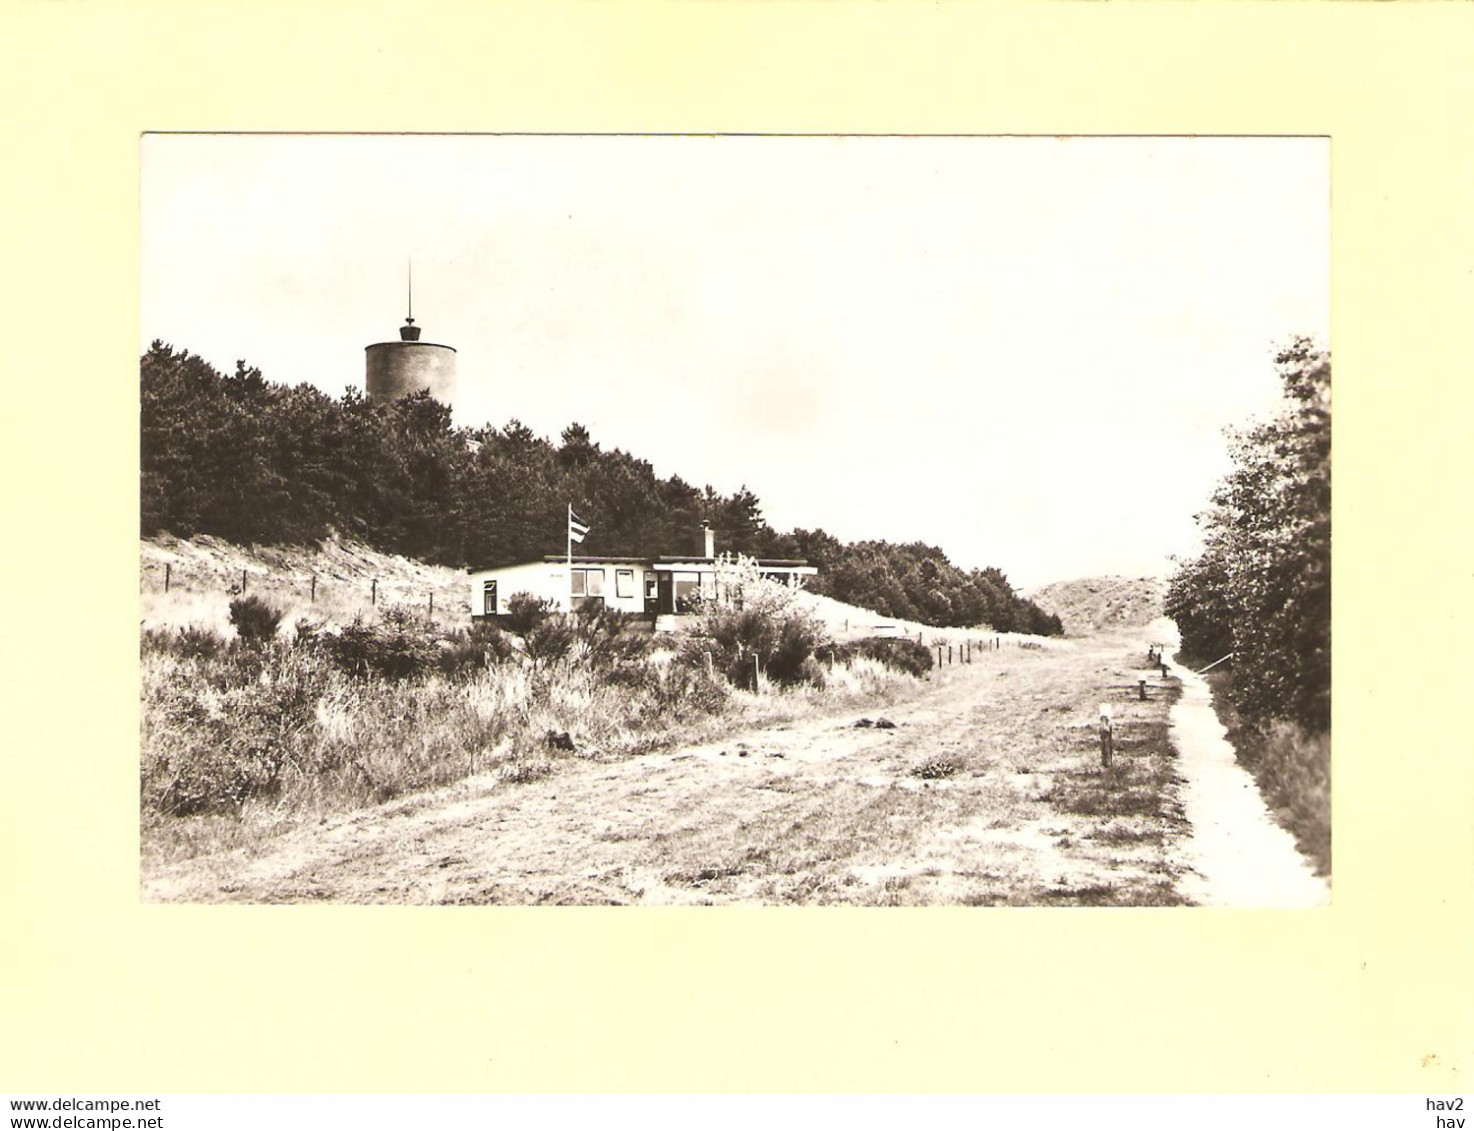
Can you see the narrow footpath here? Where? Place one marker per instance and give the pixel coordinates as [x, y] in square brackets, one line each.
[1238, 855]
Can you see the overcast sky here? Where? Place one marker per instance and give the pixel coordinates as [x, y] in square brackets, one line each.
[1023, 350]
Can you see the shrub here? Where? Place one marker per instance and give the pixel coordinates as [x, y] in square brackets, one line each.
[736, 637]
[255, 619]
[401, 647]
[466, 651]
[900, 654]
[748, 618]
[224, 746]
[684, 687]
[526, 612]
[188, 643]
[593, 637]
[550, 640]
[938, 766]
[604, 635]
[791, 660]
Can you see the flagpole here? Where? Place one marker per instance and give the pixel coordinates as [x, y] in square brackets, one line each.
[570, 557]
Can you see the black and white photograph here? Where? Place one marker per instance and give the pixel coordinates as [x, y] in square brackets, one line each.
[647, 520]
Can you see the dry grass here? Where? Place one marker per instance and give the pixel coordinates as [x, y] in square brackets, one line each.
[781, 800]
[1292, 769]
[205, 573]
[370, 741]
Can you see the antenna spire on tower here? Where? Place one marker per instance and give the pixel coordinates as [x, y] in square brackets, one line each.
[409, 332]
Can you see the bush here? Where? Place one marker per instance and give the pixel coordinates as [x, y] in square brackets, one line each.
[401, 647]
[526, 612]
[684, 687]
[550, 640]
[780, 643]
[225, 746]
[898, 653]
[255, 620]
[754, 619]
[188, 643]
[790, 661]
[937, 767]
[466, 651]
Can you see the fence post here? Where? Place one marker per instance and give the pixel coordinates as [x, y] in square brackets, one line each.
[756, 686]
[1164, 669]
[1107, 737]
[313, 598]
[167, 569]
[949, 653]
[374, 592]
[1141, 687]
[939, 655]
[243, 583]
[708, 665]
[432, 606]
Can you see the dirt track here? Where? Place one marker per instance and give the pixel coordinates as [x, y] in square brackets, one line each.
[815, 812]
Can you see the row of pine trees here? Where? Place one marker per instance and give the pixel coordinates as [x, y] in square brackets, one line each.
[254, 461]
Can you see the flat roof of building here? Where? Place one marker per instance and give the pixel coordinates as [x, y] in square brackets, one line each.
[661, 560]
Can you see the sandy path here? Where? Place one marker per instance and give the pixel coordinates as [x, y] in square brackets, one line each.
[813, 811]
[1238, 855]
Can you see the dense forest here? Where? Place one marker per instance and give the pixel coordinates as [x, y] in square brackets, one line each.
[251, 460]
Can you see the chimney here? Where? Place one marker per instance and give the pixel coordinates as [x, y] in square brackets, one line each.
[709, 540]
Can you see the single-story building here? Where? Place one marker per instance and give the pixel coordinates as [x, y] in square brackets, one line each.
[652, 587]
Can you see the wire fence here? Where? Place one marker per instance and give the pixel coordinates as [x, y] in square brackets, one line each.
[307, 593]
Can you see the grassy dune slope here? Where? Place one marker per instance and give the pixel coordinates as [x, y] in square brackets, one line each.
[205, 573]
[1091, 604]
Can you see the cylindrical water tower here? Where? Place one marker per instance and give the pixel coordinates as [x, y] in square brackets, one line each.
[397, 369]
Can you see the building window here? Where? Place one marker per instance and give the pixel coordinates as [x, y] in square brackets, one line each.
[488, 598]
[624, 583]
[588, 585]
[652, 586]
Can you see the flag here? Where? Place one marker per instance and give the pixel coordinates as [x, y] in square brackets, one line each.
[577, 528]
